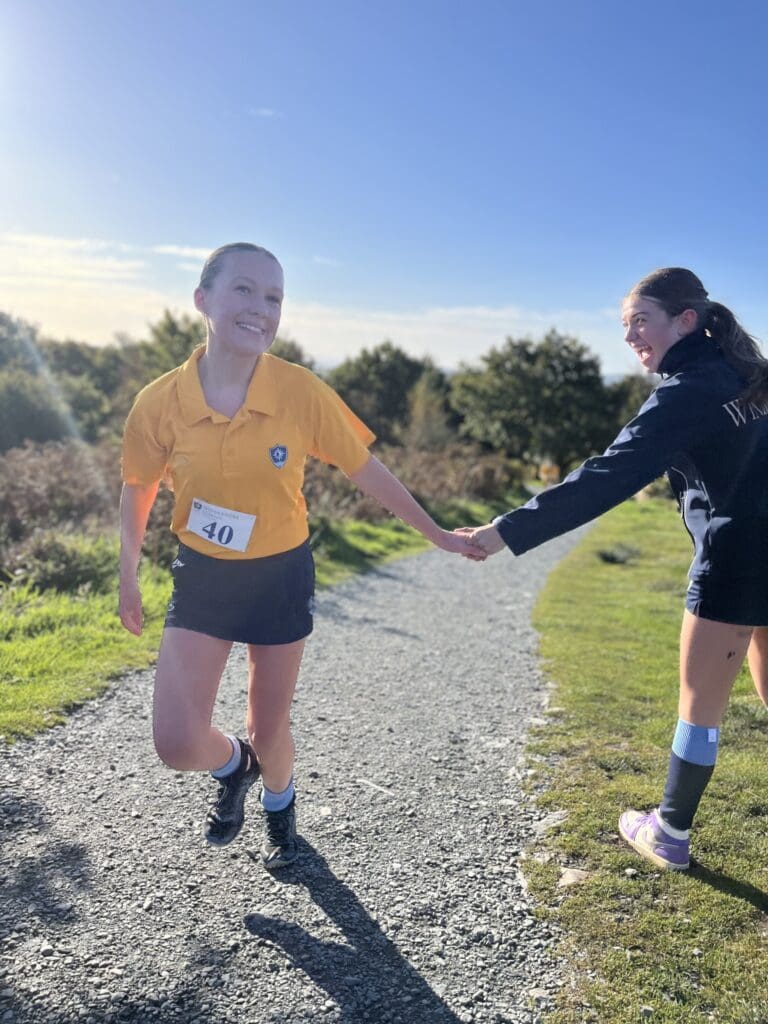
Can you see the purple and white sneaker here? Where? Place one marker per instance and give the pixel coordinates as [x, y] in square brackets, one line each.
[645, 833]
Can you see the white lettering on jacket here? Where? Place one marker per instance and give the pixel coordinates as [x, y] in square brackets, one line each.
[742, 412]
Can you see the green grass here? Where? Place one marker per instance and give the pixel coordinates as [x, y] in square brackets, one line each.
[57, 650]
[691, 947]
[342, 549]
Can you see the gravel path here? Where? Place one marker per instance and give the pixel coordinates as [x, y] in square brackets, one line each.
[407, 906]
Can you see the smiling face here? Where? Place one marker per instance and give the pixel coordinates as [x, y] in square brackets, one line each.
[650, 332]
[242, 305]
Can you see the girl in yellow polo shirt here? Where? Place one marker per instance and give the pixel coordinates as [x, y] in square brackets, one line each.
[230, 430]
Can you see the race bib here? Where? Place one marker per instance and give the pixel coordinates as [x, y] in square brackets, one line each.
[221, 526]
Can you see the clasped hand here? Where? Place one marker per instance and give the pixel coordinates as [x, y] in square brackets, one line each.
[475, 543]
[485, 539]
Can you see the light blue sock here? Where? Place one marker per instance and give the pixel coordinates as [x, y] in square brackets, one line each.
[276, 801]
[696, 744]
[232, 763]
[691, 763]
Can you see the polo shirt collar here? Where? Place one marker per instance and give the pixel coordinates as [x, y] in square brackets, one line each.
[259, 398]
[261, 391]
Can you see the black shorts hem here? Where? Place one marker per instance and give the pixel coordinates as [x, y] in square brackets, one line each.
[238, 639]
[735, 603]
[265, 601]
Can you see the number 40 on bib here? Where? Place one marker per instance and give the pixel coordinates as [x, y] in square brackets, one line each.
[224, 527]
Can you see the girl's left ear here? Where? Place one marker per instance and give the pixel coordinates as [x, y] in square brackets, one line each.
[199, 299]
[688, 320]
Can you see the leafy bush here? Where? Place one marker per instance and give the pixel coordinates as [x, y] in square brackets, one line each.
[29, 409]
[59, 482]
[434, 478]
[65, 561]
[160, 544]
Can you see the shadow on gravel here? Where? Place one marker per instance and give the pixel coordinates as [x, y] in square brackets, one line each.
[731, 886]
[39, 884]
[376, 624]
[161, 1001]
[369, 979]
[43, 884]
[332, 611]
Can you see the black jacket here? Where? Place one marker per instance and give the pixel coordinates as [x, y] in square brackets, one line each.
[713, 448]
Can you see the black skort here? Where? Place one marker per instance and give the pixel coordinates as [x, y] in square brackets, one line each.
[740, 602]
[260, 601]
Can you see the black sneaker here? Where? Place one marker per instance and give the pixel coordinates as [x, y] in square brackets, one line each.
[226, 816]
[280, 847]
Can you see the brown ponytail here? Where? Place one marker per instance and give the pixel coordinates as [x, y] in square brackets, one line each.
[676, 289]
[740, 349]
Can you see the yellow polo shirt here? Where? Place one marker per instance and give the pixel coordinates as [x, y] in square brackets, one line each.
[239, 481]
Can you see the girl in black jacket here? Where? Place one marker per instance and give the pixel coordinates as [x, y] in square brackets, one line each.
[706, 425]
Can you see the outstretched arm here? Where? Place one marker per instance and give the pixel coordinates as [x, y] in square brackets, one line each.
[376, 480]
[643, 449]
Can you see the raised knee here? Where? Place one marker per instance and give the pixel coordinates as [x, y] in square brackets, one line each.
[176, 750]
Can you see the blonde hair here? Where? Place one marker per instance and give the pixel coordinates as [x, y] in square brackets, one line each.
[213, 264]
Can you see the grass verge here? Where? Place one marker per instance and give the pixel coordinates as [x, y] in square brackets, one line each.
[59, 649]
[665, 947]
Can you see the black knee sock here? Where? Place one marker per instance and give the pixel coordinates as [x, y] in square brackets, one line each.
[685, 787]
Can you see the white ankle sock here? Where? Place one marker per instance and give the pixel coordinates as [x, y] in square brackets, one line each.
[675, 833]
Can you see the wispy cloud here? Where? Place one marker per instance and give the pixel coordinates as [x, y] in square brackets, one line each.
[81, 288]
[327, 261]
[90, 289]
[41, 259]
[51, 242]
[182, 250]
[264, 112]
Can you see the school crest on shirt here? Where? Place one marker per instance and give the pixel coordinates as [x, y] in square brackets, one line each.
[279, 455]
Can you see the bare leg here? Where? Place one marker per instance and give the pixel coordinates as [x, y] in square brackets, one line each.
[273, 671]
[758, 661]
[187, 680]
[711, 654]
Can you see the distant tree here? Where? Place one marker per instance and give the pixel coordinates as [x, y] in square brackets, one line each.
[292, 352]
[18, 344]
[628, 394]
[376, 384]
[171, 341]
[88, 405]
[536, 400]
[428, 426]
[71, 357]
[29, 410]
[98, 382]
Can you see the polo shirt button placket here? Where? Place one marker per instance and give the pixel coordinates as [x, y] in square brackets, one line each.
[229, 450]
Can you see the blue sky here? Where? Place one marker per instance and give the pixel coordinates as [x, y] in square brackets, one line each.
[440, 173]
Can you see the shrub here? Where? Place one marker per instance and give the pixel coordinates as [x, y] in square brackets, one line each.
[160, 544]
[29, 409]
[59, 482]
[65, 561]
[434, 478]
